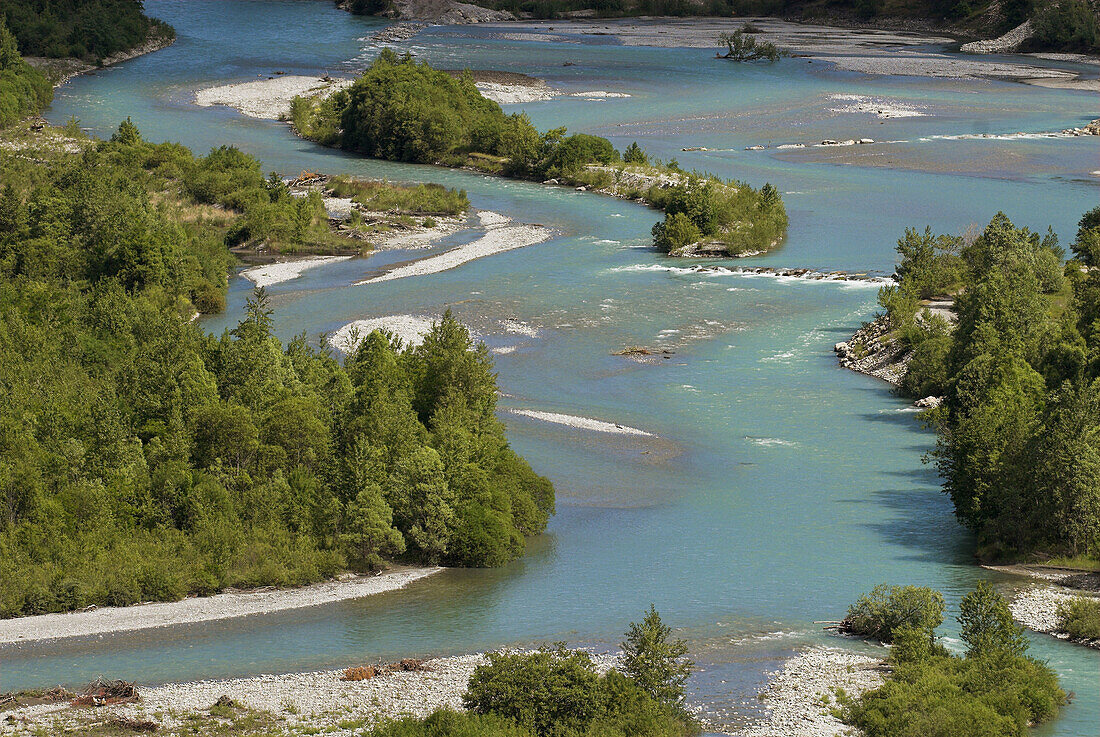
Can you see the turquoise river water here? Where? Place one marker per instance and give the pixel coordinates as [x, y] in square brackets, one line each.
[775, 486]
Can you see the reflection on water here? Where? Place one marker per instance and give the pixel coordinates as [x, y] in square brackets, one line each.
[776, 488]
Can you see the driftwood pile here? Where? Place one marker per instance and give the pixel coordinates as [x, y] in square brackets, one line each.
[367, 672]
[102, 692]
[135, 725]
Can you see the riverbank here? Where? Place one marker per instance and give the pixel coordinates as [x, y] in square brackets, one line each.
[226, 605]
[875, 51]
[268, 99]
[1036, 604]
[296, 703]
[60, 71]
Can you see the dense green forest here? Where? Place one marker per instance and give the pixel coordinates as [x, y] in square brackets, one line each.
[85, 29]
[23, 90]
[402, 110]
[993, 690]
[1019, 429]
[143, 459]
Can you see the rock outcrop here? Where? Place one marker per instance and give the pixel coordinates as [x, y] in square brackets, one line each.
[874, 352]
[1006, 44]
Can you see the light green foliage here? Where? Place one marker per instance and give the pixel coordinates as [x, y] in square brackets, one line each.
[675, 233]
[23, 90]
[143, 459]
[885, 611]
[420, 199]
[656, 662]
[1080, 618]
[930, 266]
[987, 625]
[994, 691]
[557, 693]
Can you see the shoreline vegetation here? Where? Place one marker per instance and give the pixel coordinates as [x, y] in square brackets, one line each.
[400, 110]
[182, 464]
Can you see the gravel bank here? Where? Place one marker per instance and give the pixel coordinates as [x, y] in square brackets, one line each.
[202, 609]
[411, 329]
[268, 274]
[794, 695]
[869, 51]
[581, 423]
[501, 235]
[268, 99]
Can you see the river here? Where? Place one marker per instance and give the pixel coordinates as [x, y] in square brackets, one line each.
[774, 487]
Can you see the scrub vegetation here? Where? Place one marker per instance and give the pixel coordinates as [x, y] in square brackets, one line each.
[558, 693]
[142, 459]
[994, 690]
[404, 111]
[1019, 428]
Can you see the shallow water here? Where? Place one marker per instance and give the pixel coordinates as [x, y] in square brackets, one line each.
[777, 486]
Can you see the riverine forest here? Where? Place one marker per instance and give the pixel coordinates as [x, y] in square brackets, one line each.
[549, 368]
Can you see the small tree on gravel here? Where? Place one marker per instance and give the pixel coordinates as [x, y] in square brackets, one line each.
[656, 662]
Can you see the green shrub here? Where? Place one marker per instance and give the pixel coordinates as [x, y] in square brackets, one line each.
[879, 614]
[1070, 25]
[23, 90]
[1080, 618]
[675, 233]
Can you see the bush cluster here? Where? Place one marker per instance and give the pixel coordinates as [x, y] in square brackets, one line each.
[419, 199]
[995, 690]
[1080, 618]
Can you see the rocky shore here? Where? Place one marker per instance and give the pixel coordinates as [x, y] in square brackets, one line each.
[800, 697]
[60, 71]
[1036, 605]
[874, 352]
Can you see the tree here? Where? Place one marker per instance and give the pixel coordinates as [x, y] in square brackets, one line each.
[987, 624]
[656, 662]
[635, 155]
[368, 531]
[882, 613]
[675, 233]
[744, 47]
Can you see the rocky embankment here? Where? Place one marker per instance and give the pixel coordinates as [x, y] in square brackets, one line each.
[873, 351]
[1006, 44]
[443, 12]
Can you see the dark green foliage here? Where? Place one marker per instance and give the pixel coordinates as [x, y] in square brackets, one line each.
[1019, 447]
[994, 691]
[1070, 25]
[86, 29]
[635, 155]
[447, 723]
[143, 459]
[420, 199]
[881, 614]
[655, 662]
[23, 90]
[404, 111]
[1080, 618]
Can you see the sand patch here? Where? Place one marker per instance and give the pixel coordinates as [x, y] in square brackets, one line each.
[268, 274]
[267, 98]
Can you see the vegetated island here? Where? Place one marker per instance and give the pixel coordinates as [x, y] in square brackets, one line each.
[64, 38]
[401, 110]
[1002, 340]
[146, 460]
